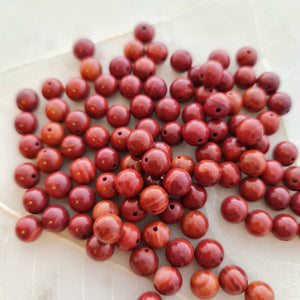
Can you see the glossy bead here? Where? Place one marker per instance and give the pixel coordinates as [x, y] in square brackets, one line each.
[119, 67]
[155, 87]
[217, 106]
[202, 93]
[278, 197]
[249, 131]
[209, 151]
[154, 199]
[25, 123]
[234, 121]
[96, 137]
[52, 88]
[209, 253]
[263, 145]
[27, 175]
[118, 115]
[195, 198]
[177, 182]
[130, 86]
[105, 207]
[231, 174]
[165, 147]
[234, 209]
[291, 178]
[246, 56]
[193, 75]
[156, 234]
[269, 82]
[182, 89]
[245, 77]
[295, 203]
[157, 51]
[55, 218]
[141, 106]
[149, 296]
[80, 226]
[254, 99]
[181, 61]
[194, 224]
[172, 213]
[81, 198]
[183, 162]
[221, 56]
[150, 180]
[77, 122]
[83, 48]
[171, 133]
[107, 159]
[144, 32]
[252, 163]
[118, 138]
[286, 153]
[252, 189]
[82, 170]
[30, 145]
[108, 228]
[97, 250]
[195, 133]
[233, 280]
[235, 101]
[144, 68]
[90, 68]
[56, 110]
[150, 125]
[211, 73]
[58, 185]
[96, 106]
[273, 172]
[167, 109]
[204, 284]
[156, 162]
[49, 160]
[27, 100]
[52, 133]
[130, 238]
[131, 210]
[129, 183]
[134, 50]
[139, 141]
[35, 200]
[232, 149]
[143, 261]
[258, 223]
[227, 82]
[77, 89]
[179, 253]
[270, 121]
[106, 85]
[259, 290]
[218, 130]
[167, 280]
[28, 228]
[72, 146]
[207, 173]
[130, 161]
[280, 103]
[193, 111]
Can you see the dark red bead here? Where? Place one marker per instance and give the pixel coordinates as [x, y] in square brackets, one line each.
[27, 175]
[107, 159]
[96, 106]
[182, 89]
[217, 106]
[129, 183]
[77, 122]
[295, 203]
[220, 56]
[81, 198]
[177, 182]
[202, 93]
[82, 170]
[195, 198]
[77, 89]
[259, 290]
[171, 133]
[232, 149]
[156, 162]
[246, 56]
[291, 178]
[130, 86]
[144, 68]
[118, 115]
[72, 146]
[30, 145]
[55, 218]
[25, 123]
[211, 73]
[218, 130]
[96, 137]
[207, 173]
[58, 185]
[56, 110]
[139, 141]
[263, 145]
[80, 226]
[270, 121]
[172, 213]
[234, 209]
[134, 50]
[181, 61]
[254, 99]
[27, 100]
[245, 77]
[52, 133]
[119, 67]
[278, 197]
[249, 131]
[143, 261]
[195, 133]
[83, 48]
[183, 162]
[268, 81]
[231, 174]
[193, 111]
[105, 207]
[130, 161]
[193, 75]
[273, 172]
[285, 227]
[227, 82]
[118, 138]
[130, 238]
[167, 109]
[150, 125]
[258, 223]
[234, 121]
[155, 87]
[49, 160]
[194, 224]
[156, 234]
[28, 228]
[106, 85]
[236, 102]
[97, 250]
[90, 68]
[252, 163]
[157, 51]
[131, 210]
[286, 153]
[144, 32]
[252, 189]
[280, 103]
[149, 296]
[209, 151]
[141, 106]
[35, 200]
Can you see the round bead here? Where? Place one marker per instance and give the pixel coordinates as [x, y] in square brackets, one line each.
[167, 109]
[177, 182]
[28, 228]
[143, 261]
[119, 67]
[227, 82]
[134, 50]
[295, 203]
[183, 162]
[249, 131]
[259, 290]
[77, 89]
[107, 159]
[193, 111]
[194, 224]
[130, 86]
[96, 106]
[232, 149]
[235, 101]
[181, 61]
[156, 162]
[252, 163]
[285, 227]
[211, 73]
[218, 130]
[193, 75]
[106, 85]
[130, 161]
[172, 213]
[55, 218]
[72, 146]
[258, 223]
[217, 106]
[150, 125]
[82, 170]
[165, 147]
[291, 178]
[156, 234]
[25, 123]
[182, 89]
[141, 106]
[254, 99]
[58, 185]
[209, 151]
[49, 160]
[268, 81]
[263, 145]
[246, 56]
[270, 121]
[56, 110]
[149, 296]
[252, 189]
[278, 197]
[202, 93]
[234, 121]
[35, 200]
[90, 68]
[80, 226]
[155, 87]
[245, 77]
[144, 32]
[27, 175]
[221, 56]
[105, 207]
[118, 115]
[131, 210]
[30, 145]
[231, 174]
[97, 250]
[81, 198]
[195, 132]
[286, 153]
[96, 137]
[157, 51]
[52, 133]
[195, 198]
[118, 138]
[129, 183]
[280, 103]
[139, 141]
[144, 68]
[27, 100]
[77, 122]
[171, 133]
[234, 209]
[83, 48]
[130, 238]
[52, 88]
[207, 173]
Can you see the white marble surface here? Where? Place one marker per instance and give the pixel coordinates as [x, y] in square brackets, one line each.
[34, 33]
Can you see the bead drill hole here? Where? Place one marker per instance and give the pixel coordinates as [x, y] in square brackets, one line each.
[77, 131]
[146, 250]
[119, 133]
[49, 129]
[104, 179]
[248, 51]
[294, 180]
[114, 165]
[231, 183]
[150, 73]
[200, 140]
[201, 76]
[137, 241]
[144, 27]
[293, 158]
[218, 110]
[134, 214]
[214, 134]
[172, 206]
[154, 228]
[165, 132]
[180, 98]
[37, 144]
[33, 175]
[210, 90]
[146, 159]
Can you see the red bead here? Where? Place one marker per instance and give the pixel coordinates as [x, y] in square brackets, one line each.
[183, 162]
[149, 296]
[263, 145]
[52, 133]
[139, 141]
[259, 290]
[286, 153]
[83, 48]
[144, 32]
[273, 172]
[134, 50]
[252, 189]
[96, 137]
[107, 159]
[129, 183]
[194, 224]
[154, 199]
[118, 115]
[106, 85]
[234, 121]
[172, 213]
[167, 109]
[130, 238]
[157, 51]
[105, 207]
[217, 106]
[108, 228]
[49, 160]
[193, 111]
[202, 93]
[165, 147]
[131, 210]
[30, 145]
[118, 138]
[28, 228]
[270, 121]
[77, 89]
[249, 131]
[82, 170]
[90, 68]
[235, 101]
[144, 68]
[25, 123]
[209, 151]
[96, 106]
[150, 125]
[295, 203]
[232, 149]
[280, 103]
[58, 185]
[81, 198]
[258, 223]
[130, 86]
[77, 122]
[80, 226]
[211, 73]
[245, 77]
[181, 61]
[268, 81]
[119, 67]
[234, 209]
[27, 100]
[55, 218]
[179, 253]
[171, 133]
[35, 200]
[156, 234]
[218, 130]
[141, 106]
[252, 163]
[209, 253]
[143, 261]
[27, 175]
[156, 162]
[233, 280]
[130, 161]
[195, 198]
[167, 280]
[278, 197]
[97, 250]
[56, 110]
[246, 56]
[231, 174]
[291, 178]
[195, 132]
[193, 75]
[227, 82]
[204, 284]
[221, 56]
[155, 87]
[254, 99]
[207, 173]
[72, 146]
[182, 89]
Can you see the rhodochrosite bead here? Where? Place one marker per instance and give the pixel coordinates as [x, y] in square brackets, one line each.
[259, 290]
[129, 183]
[143, 261]
[156, 234]
[156, 162]
[177, 182]
[207, 173]
[82, 170]
[97, 250]
[130, 238]
[28, 228]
